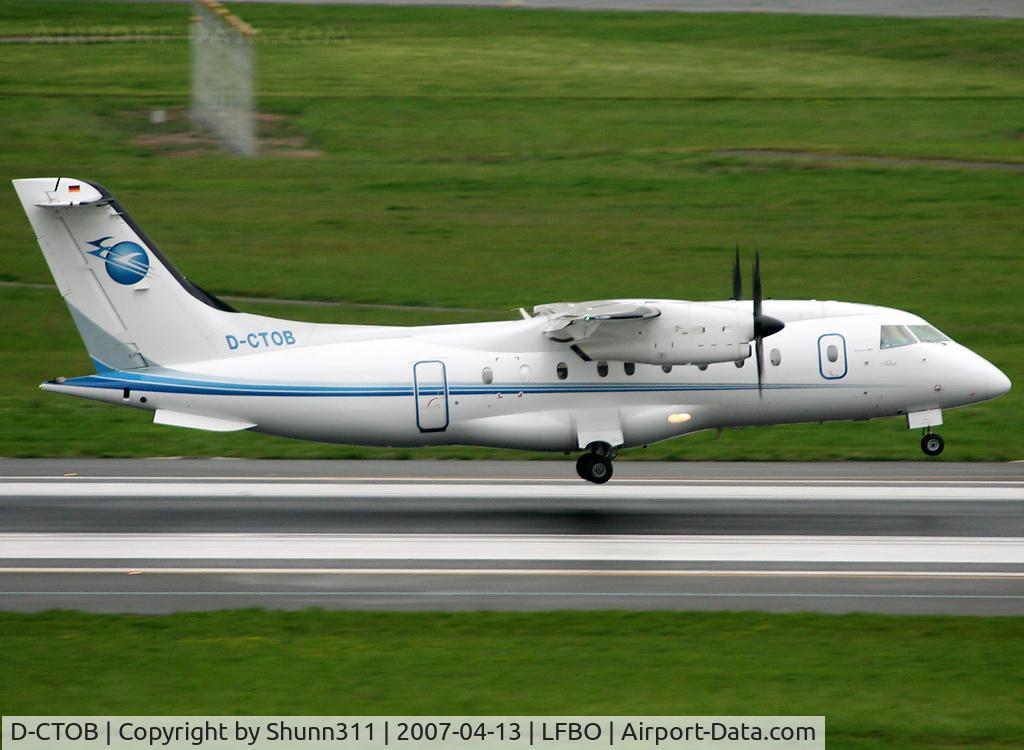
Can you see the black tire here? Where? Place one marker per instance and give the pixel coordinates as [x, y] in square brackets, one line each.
[599, 470]
[583, 465]
[932, 444]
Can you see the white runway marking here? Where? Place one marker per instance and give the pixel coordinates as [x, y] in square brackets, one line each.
[577, 491]
[620, 548]
[527, 572]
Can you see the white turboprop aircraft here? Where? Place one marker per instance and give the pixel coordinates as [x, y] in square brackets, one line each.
[592, 376]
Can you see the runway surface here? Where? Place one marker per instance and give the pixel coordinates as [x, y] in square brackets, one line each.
[165, 535]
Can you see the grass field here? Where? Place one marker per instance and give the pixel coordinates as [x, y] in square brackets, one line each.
[486, 159]
[882, 682]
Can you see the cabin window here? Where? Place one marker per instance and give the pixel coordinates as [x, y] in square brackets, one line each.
[775, 357]
[487, 375]
[893, 336]
[602, 369]
[562, 370]
[739, 363]
[702, 368]
[629, 367]
[832, 353]
[928, 334]
[666, 369]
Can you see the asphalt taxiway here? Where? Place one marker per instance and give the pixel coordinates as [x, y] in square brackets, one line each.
[165, 535]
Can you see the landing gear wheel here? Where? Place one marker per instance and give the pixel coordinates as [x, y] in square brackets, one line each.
[594, 468]
[583, 465]
[932, 444]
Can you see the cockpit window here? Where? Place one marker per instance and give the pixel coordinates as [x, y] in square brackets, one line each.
[928, 334]
[893, 336]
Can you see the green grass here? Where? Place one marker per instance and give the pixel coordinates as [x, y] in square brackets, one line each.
[486, 159]
[882, 682]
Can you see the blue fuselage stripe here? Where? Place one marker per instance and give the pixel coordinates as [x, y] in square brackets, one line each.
[163, 384]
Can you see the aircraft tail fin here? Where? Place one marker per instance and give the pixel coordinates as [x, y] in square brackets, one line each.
[132, 307]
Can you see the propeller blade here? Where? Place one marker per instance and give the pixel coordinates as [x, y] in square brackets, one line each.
[764, 325]
[759, 353]
[757, 288]
[737, 277]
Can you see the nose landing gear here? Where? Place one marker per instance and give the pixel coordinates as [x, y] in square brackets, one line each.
[932, 444]
[596, 465]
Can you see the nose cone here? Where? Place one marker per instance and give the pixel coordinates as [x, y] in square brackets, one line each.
[959, 376]
[998, 383]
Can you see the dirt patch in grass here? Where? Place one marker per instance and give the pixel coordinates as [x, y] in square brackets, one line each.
[171, 132]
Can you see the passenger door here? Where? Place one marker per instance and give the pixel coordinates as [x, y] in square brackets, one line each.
[430, 386]
[832, 356]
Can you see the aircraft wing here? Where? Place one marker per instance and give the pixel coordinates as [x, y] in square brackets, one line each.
[575, 321]
[663, 332]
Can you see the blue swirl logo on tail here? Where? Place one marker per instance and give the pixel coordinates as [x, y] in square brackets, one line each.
[127, 263]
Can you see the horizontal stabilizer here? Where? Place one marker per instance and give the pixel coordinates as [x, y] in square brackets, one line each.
[199, 422]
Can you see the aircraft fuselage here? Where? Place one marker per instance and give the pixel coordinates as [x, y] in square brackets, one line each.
[429, 385]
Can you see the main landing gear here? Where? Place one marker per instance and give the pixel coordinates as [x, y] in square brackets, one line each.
[932, 444]
[596, 464]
